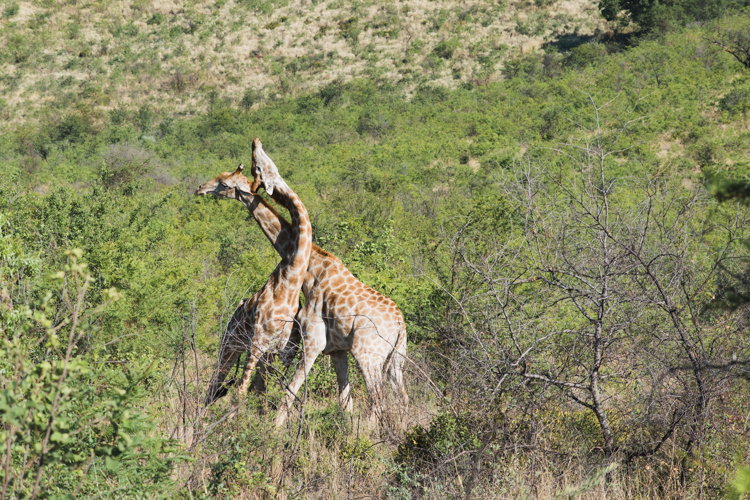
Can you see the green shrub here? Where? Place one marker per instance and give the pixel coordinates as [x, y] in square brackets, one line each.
[527, 66]
[446, 48]
[156, 19]
[349, 30]
[19, 48]
[123, 163]
[650, 15]
[11, 10]
[130, 29]
[144, 117]
[587, 54]
[249, 98]
[331, 423]
[736, 101]
[73, 128]
[447, 434]
[68, 421]
[358, 452]
[263, 6]
[331, 93]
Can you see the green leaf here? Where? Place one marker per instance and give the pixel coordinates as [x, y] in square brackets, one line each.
[59, 437]
[112, 464]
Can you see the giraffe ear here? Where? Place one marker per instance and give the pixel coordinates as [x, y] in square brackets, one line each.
[269, 187]
[264, 169]
[241, 167]
[266, 179]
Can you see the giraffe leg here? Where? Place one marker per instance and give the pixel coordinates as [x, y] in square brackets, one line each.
[235, 337]
[396, 375]
[257, 350]
[372, 373]
[314, 343]
[216, 388]
[291, 349]
[287, 354]
[260, 379]
[341, 365]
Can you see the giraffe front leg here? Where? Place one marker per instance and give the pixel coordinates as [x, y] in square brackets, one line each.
[314, 342]
[341, 365]
[260, 380]
[217, 388]
[253, 357]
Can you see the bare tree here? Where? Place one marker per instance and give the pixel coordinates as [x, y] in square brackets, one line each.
[597, 282]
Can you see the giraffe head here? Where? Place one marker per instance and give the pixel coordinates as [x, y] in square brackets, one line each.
[226, 185]
[264, 171]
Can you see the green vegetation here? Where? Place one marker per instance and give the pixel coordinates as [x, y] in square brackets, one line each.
[576, 296]
[650, 16]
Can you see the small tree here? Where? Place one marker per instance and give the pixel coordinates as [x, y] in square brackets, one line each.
[733, 37]
[249, 98]
[593, 288]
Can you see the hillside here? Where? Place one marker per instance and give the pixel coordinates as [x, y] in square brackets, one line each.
[180, 58]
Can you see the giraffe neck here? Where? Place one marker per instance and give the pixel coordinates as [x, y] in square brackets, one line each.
[300, 229]
[277, 230]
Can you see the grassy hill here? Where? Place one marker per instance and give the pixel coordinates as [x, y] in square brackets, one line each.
[180, 58]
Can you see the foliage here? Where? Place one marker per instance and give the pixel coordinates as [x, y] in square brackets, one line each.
[467, 205]
[67, 420]
[732, 37]
[652, 15]
[447, 435]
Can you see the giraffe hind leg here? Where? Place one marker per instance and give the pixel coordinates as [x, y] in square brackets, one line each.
[396, 376]
[340, 362]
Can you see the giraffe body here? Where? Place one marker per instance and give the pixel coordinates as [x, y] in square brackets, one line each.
[341, 314]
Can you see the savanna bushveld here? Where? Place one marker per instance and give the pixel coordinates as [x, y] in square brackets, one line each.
[545, 204]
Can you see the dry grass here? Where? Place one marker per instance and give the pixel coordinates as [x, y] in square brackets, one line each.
[237, 453]
[229, 48]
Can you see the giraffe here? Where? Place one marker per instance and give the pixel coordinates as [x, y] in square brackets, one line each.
[269, 314]
[341, 314]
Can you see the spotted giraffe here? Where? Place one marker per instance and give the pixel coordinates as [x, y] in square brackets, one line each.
[270, 313]
[341, 314]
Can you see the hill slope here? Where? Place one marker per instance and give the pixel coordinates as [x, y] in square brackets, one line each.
[182, 56]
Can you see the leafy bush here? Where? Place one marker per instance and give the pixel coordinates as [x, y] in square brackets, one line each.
[649, 15]
[587, 54]
[736, 101]
[264, 6]
[249, 98]
[73, 128]
[18, 48]
[68, 421]
[11, 10]
[446, 48]
[349, 30]
[448, 434]
[124, 163]
[156, 19]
